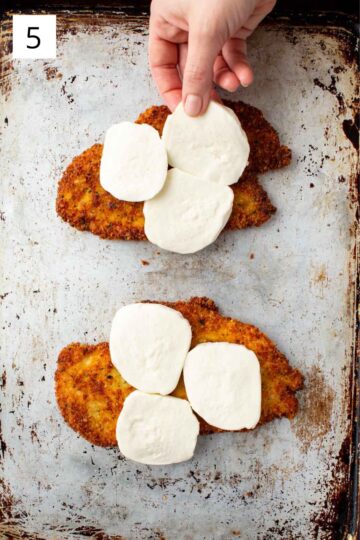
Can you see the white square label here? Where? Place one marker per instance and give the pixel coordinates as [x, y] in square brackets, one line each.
[34, 36]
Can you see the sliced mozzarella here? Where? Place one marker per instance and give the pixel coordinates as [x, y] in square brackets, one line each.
[223, 385]
[188, 214]
[134, 162]
[156, 430]
[148, 346]
[212, 146]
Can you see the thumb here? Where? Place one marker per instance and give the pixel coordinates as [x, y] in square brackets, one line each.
[198, 72]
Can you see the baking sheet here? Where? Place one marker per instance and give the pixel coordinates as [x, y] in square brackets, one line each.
[293, 277]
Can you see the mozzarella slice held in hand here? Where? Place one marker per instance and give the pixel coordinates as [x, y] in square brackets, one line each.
[134, 162]
[223, 385]
[188, 214]
[156, 430]
[212, 146]
[148, 346]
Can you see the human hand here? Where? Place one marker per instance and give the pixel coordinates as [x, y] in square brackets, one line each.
[194, 43]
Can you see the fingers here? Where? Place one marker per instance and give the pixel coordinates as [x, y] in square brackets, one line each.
[234, 53]
[223, 76]
[262, 9]
[163, 59]
[228, 70]
[183, 49]
[198, 72]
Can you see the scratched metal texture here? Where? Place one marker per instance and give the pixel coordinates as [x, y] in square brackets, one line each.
[293, 277]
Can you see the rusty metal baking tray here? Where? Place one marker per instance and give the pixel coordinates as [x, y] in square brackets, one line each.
[295, 278]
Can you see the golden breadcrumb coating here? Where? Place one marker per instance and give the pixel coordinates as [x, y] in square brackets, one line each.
[84, 204]
[90, 392]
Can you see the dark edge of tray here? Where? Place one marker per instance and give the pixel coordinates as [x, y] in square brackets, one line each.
[307, 11]
[354, 516]
[306, 6]
[303, 13]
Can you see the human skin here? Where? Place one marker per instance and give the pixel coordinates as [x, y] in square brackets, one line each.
[195, 43]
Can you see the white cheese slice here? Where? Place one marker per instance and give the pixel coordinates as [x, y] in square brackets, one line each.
[148, 346]
[188, 214]
[133, 163]
[223, 385]
[213, 146]
[156, 430]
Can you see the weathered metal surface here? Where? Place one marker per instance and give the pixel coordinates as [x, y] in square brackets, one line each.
[293, 277]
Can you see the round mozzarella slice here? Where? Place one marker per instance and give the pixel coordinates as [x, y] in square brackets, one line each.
[148, 346]
[134, 162]
[212, 146]
[188, 214]
[223, 385]
[156, 430]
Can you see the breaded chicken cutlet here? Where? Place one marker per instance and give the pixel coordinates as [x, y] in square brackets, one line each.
[84, 204]
[90, 392]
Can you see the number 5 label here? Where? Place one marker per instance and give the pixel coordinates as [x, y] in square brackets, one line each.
[34, 36]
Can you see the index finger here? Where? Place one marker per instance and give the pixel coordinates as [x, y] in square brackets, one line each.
[163, 59]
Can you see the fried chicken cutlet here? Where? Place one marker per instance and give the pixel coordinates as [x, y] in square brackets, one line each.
[84, 204]
[90, 392]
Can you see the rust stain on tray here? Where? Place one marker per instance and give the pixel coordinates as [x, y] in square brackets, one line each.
[6, 65]
[345, 40]
[351, 129]
[330, 522]
[314, 419]
[321, 275]
[52, 72]
[8, 522]
[94, 533]
[72, 24]
[331, 87]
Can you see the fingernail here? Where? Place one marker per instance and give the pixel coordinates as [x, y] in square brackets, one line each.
[193, 105]
[245, 83]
